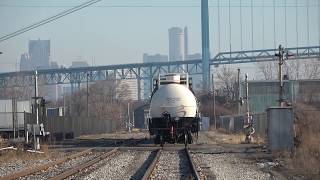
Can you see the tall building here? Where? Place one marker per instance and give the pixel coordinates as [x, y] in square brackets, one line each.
[154, 58]
[195, 56]
[178, 40]
[186, 53]
[39, 53]
[146, 91]
[25, 62]
[77, 64]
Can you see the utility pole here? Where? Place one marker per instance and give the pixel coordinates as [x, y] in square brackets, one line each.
[36, 139]
[248, 125]
[247, 99]
[87, 94]
[213, 103]
[129, 123]
[280, 55]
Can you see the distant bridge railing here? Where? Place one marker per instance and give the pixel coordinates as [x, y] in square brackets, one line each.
[146, 71]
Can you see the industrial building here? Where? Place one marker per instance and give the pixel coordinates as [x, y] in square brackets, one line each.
[264, 94]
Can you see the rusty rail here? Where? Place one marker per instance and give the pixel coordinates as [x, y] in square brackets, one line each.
[77, 169]
[33, 170]
[194, 170]
[152, 166]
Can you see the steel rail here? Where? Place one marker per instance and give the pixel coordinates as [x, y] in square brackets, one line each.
[85, 165]
[192, 165]
[33, 170]
[152, 166]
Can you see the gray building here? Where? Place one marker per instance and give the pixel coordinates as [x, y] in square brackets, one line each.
[25, 62]
[146, 92]
[37, 57]
[264, 94]
[76, 64]
[154, 58]
[195, 56]
[39, 53]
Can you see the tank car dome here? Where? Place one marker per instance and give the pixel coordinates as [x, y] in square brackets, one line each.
[175, 99]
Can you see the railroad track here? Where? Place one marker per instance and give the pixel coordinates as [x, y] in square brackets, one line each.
[79, 165]
[168, 164]
[86, 159]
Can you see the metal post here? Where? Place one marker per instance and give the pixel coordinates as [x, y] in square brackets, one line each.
[87, 94]
[280, 56]
[132, 117]
[37, 141]
[139, 88]
[13, 118]
[249, 130]
[239, 92]
[247, 99]
[214, 102]
[129, 123]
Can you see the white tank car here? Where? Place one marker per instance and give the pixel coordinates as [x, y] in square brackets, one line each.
[175, 99]
[174, 116]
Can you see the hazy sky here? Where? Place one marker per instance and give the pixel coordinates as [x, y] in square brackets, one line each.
[120, 31]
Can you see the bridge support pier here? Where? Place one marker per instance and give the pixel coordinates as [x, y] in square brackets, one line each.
[205, 45]
[139, 88]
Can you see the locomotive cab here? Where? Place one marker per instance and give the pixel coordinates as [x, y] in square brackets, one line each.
[174, 116]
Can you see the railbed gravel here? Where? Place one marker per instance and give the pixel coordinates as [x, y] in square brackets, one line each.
[172, 165]
[15, 165]
[60, 168]
[125, 165]
[229, 167]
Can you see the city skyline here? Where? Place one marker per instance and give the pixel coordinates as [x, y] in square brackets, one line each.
[116, 32]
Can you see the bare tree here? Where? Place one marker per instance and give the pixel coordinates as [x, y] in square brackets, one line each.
[227, 84]
[268, 70]
[295, 69]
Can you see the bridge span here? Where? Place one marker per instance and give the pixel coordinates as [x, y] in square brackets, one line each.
[146, 71]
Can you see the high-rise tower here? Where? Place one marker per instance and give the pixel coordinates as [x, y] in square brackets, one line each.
[176, 44]
[186, 53]
[39, 53]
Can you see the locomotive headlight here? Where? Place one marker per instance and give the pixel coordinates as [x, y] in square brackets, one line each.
[176, 118]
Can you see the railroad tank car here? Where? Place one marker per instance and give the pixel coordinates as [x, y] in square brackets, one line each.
[174, 116]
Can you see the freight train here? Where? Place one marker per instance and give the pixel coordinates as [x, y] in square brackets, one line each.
[174, 115]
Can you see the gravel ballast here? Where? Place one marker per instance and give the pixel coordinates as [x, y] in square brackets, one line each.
[123, 166]
[60, 168]
[230, 167]
[172, 165]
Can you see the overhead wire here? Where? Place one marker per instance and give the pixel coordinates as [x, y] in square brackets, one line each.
[308, 27]
[241, 40]
[274, 24]
[252, 25]
[285, 23]
[263, 44]
[297, 27]
[219, 41]
[48, 20]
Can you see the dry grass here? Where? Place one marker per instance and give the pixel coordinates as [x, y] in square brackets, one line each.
[306, 157]
[222, 136]
[19, 154]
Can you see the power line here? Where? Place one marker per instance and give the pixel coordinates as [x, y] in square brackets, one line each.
[285, 23]
[142, 6]
[47, 20]
[308, 28]
[274, 24]
[241, 40]
[219, 41]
